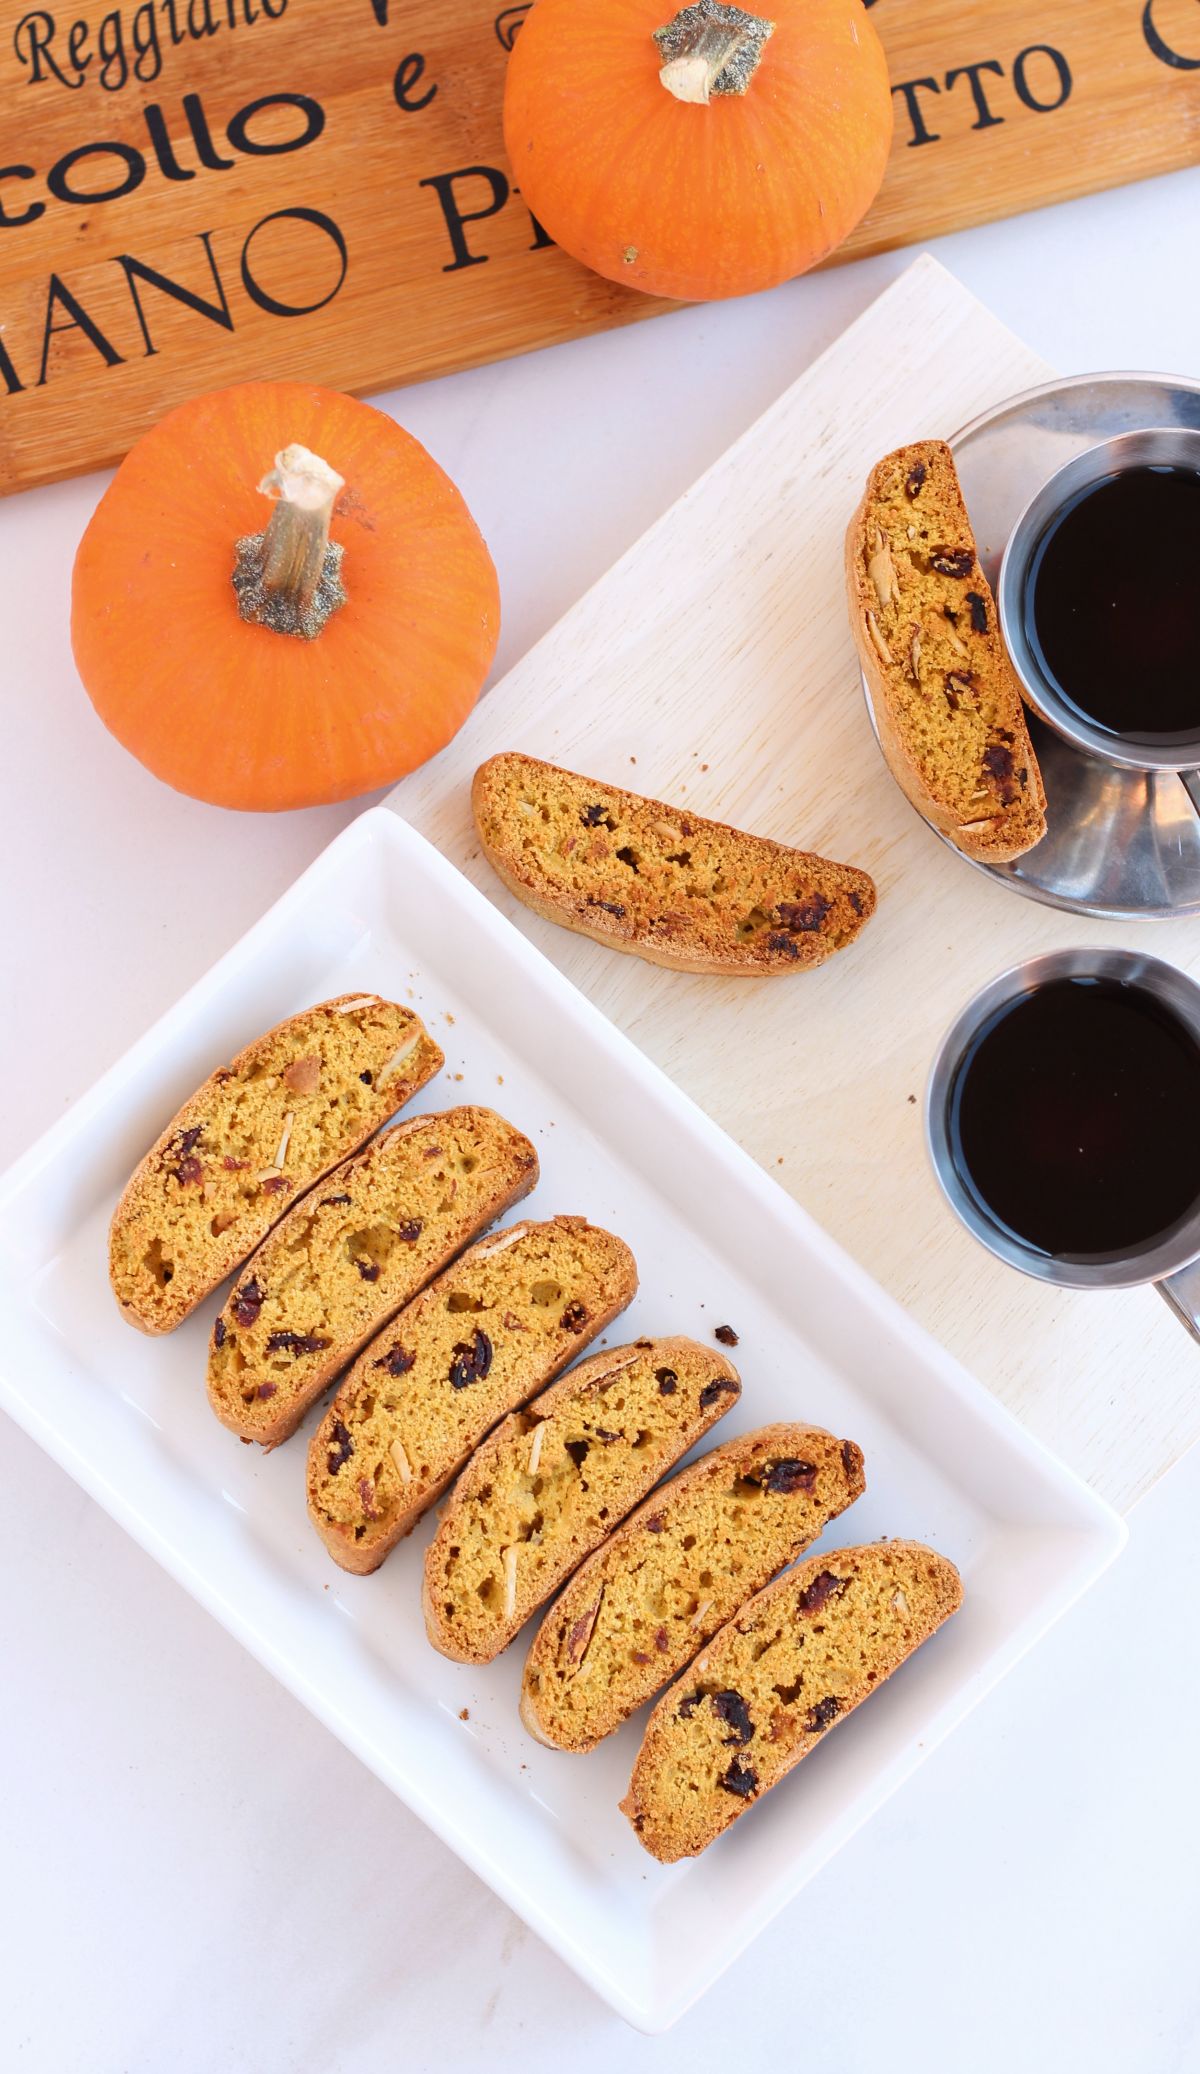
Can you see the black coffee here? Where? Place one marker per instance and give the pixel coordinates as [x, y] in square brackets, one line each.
[1075, 1119]
[1112, 600]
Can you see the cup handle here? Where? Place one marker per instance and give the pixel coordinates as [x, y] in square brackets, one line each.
[1190, 780]
[1182, 1290]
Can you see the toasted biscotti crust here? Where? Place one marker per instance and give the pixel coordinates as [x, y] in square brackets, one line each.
[798, 1658]
[248, 1143]
[946, 697]
[638, 1610]
[551, 1481]
[351, 1255]
[641, 876]
[498, 1325]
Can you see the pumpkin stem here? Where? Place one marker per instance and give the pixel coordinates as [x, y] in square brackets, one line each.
[288, 577]
[711, 49]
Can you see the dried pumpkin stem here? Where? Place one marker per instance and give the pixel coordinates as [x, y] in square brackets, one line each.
[710, 49]
[288, 577]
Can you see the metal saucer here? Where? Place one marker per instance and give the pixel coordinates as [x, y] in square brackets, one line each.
[1120, 844]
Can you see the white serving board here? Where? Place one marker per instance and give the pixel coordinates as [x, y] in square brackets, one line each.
[717, 654]
[716, 1242]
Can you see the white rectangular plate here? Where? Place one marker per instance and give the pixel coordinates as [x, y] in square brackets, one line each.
[717, 1242]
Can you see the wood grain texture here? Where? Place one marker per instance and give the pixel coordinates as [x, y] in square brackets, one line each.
[325, 180]
[714, 666]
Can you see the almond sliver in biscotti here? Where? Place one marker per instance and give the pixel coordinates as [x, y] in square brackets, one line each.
[351, 1255]
[495, 1327]
[656, 1591]
[247, 1144]
[553, 1480]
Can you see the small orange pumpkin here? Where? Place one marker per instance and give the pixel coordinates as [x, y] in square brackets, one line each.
[711, 155]
[314, 657]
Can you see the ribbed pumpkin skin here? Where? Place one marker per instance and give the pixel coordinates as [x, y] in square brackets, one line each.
[239, 715]
[696, 202]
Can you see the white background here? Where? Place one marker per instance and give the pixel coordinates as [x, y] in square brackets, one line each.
[195, 1877]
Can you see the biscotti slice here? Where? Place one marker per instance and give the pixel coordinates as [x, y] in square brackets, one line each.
[547, 1486]
[796, 1659]
[649, 878]
[638, 1610]
[250, 1141]
[351, 1255]
[946, 697]
[498, 1325]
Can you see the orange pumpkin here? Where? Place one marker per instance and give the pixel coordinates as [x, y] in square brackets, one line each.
[711, 155]
[270, 658]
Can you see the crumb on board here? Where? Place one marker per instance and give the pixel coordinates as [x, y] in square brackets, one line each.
[912, 1099]
[499, 1080]
[449, 1017]
[458, 1076]
[464, 1713]
[726, 1334]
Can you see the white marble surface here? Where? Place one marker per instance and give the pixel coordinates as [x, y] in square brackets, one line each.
[196, 1877]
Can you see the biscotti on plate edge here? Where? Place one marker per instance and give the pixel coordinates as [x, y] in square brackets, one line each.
[946, 699]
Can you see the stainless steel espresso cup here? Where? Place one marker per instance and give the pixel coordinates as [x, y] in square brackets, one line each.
[1170, 447]
[1171, 1260]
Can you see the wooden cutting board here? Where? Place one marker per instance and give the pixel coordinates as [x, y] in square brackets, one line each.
[713, 666]
[195, 192]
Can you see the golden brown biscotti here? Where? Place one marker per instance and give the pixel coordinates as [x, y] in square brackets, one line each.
[638, 1610]
[946, 697]
[351, 1255]
[796, 1660]
[258, 1133]
[644, 877]
[502, 1322]
[551, 1481]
